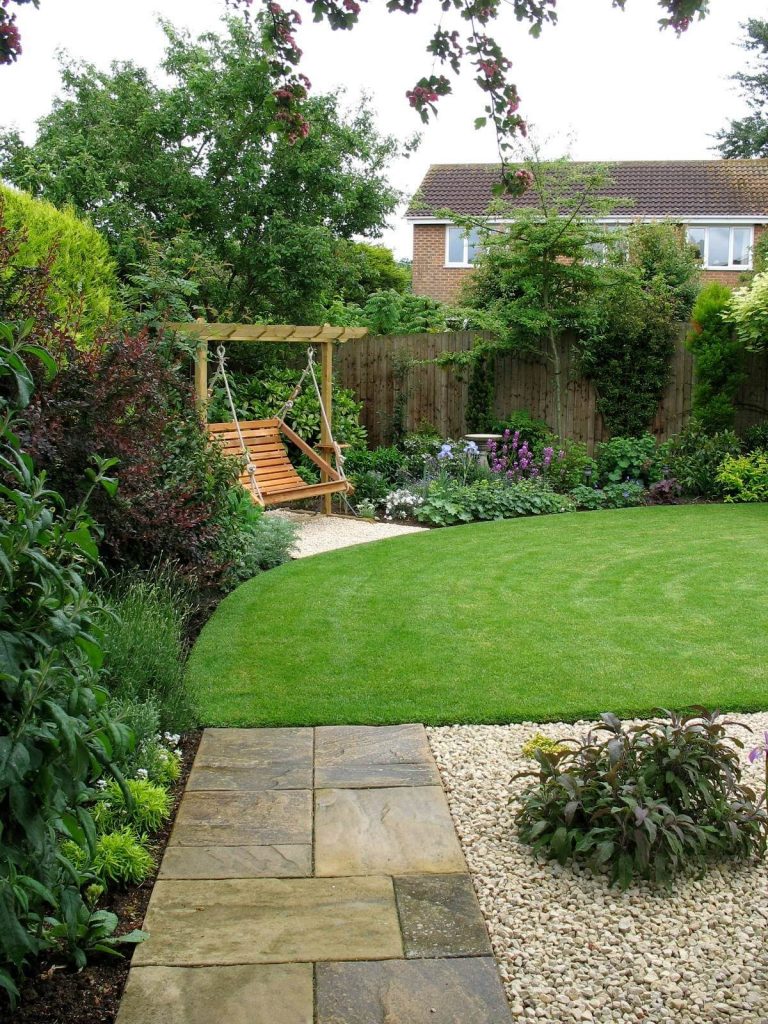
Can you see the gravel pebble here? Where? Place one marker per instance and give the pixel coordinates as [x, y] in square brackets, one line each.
[318, 533]
[569, 947]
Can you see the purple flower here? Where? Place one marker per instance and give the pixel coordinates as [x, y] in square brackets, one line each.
[761, 751]
[446, 452]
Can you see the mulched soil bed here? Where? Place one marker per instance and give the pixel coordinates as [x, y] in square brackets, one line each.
[58, 995]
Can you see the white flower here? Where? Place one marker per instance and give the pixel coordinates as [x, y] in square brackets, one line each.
[142, 773]
[101, 784]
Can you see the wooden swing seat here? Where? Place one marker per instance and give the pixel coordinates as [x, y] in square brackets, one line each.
[277, 479]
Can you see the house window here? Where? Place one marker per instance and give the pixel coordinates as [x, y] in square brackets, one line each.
[461, 246]
[723, 247]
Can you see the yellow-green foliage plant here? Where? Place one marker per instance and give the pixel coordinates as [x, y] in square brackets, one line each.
[745, 477]
[83, 296]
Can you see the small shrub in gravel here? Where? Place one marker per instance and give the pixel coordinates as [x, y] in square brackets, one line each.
[648, 800]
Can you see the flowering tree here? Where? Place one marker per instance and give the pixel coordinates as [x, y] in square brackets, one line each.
[469, 44]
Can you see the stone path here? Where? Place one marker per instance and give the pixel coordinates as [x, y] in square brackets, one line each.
[314, 876]
[319, 533]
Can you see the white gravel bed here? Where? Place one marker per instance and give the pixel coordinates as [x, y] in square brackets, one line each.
[569, 947]
[319, 533]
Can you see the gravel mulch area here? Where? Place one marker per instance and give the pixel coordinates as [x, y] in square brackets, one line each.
[570, 948]
[56, 994]
[318, 533]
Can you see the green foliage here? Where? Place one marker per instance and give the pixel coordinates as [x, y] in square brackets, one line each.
[744, 477]
[145, 628]
[626, 348]
[749, 313]
[120, 857]
[755, 437]
[56, 736]
[748, 136]
[693, 458]
[482, 377]
[154, 755]
[574, 467]
[137, 803]
[534, 278]
[661, 254]
[364, 269]
[627, 351]
[548, 746]
[450, 502]
[621, 495]
[719, 363]
[205, 156]
[648, 800]
[536, 432]
[628, 458]
[393, 312]
[262, 396]
[89, 932]
[83, 291]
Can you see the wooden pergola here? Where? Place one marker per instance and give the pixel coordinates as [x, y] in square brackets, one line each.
[325, 337]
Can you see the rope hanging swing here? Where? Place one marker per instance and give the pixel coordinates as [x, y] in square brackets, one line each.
[268, 474]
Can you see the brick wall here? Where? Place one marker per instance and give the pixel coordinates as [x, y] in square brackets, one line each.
[431, 276]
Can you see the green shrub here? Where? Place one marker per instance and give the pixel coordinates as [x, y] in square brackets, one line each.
[153, 755]
[570, 466]
[623, 495]
[718, 359]
[744, 477]
[56, 735]
[448, 503]
[145, 644]
[693, 458]
[389, 463]
[756, 437]
[370, 486]
[536, 432]
[251, 541]
[748, 312]
[120, 857]
[146, 810]
[83, 283]
[628, 458]
[648, 800]
[264, 394]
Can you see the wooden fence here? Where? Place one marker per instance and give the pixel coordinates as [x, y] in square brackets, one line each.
[373, 368]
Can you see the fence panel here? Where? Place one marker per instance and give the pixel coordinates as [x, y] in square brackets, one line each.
[375, 368]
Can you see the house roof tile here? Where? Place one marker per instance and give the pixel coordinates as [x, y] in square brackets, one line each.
[659, 188]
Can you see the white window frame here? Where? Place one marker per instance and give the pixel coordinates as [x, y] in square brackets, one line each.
[705, 265]
[465, 265]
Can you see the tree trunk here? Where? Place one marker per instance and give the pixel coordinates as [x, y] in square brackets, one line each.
[557, 380]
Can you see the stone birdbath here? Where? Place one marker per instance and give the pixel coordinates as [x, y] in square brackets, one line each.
[481, 440]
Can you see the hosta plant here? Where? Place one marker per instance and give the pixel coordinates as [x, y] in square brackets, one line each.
[646, 800]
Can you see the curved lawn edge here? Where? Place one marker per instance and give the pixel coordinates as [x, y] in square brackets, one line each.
[554, 618]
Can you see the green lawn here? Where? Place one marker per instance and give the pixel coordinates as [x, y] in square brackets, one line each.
[531, 619]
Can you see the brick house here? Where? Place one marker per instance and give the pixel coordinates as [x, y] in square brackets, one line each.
[722, 204]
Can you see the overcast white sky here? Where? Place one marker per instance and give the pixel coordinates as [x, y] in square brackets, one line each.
[609, 81]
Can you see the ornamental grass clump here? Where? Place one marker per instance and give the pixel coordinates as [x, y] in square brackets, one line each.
[647, 800]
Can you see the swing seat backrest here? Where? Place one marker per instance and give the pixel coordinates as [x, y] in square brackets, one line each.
[276, 477]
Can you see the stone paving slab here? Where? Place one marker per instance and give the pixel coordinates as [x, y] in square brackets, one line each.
[440, 916]
[236, 862]
[270, 920]
[366, 756]
[385, 831]
[255, 994]
[247, 759]
[261, 818]
[411, 992]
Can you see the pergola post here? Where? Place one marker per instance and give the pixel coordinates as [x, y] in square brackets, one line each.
[201, 378]
[326, 388]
